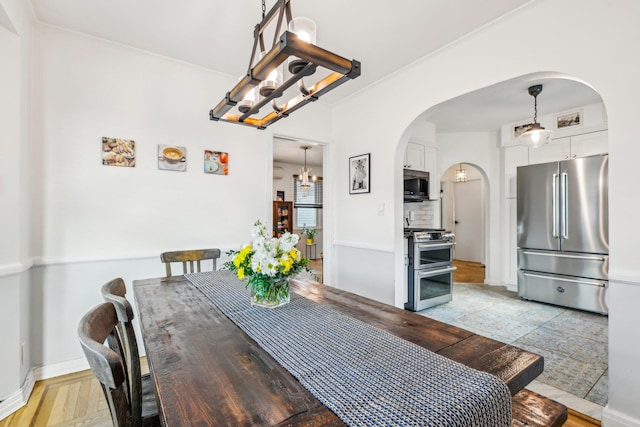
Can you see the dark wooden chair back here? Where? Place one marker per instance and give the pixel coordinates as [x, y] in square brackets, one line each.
[189, 256]
[114, 292]
[96, 327]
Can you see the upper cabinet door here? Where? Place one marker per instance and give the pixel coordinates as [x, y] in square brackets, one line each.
[589, 144]
[555, 151]
[414, 156]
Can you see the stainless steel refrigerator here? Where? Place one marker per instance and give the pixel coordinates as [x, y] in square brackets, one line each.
[563, 233]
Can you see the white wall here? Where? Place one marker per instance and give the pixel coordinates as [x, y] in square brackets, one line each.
[100, 222]
[15, 193]
[600, 58]
[83, 223]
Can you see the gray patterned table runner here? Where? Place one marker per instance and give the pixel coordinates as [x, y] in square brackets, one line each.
[366, 376]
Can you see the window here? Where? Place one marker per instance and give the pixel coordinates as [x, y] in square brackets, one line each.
[307, 205]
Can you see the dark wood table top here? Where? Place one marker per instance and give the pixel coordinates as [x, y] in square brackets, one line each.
[208, 372]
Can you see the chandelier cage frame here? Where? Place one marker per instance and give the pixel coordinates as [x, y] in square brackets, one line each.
[284, 46]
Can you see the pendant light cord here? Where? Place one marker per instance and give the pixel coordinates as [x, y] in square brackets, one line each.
[535, 109]
[264, 9]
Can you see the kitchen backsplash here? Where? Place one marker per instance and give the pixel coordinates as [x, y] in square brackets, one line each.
[419, 215]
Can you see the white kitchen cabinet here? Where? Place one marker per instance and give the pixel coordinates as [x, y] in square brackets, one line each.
[414, 156]
[513, 157]
[511, 278]
[431, 166]
[589, 144]
[571, 147]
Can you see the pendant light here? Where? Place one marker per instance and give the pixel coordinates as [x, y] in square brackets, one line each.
[305, 186]
[267, 78]
[461, 174]
[536, 135]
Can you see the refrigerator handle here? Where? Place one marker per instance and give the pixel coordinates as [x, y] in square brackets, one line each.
[564, 223]
[554, 206]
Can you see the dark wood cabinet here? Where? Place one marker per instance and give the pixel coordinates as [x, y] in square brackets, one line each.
[282, 217]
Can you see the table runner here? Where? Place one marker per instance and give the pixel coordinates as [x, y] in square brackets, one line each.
[365, 375]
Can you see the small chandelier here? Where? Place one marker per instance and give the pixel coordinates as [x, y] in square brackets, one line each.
[461, 174]
[305, 186]
[536, 135]
[265, 81]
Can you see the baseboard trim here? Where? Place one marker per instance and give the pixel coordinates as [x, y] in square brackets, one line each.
[611, 418]
[19, 398]
[63, 368]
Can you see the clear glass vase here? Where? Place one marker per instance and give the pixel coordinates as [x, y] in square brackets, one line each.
[271, 295]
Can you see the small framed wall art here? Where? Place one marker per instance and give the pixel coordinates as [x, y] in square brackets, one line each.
[360, 174]
[172, 158]
[216, 162]
[520, 129]
[566, 120]
[118, 152]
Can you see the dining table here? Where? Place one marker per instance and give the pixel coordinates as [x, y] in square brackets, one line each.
[208, 371]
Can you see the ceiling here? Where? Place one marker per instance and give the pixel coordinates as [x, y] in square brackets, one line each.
[383, 36]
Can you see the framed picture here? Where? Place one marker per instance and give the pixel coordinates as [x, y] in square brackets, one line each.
[360, 174]
[566, 120]
[172, 158]
[520, 129]
[280, 196]
[118, 152]
[216, 162]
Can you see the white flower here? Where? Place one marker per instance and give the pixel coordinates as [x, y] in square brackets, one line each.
[288, 241]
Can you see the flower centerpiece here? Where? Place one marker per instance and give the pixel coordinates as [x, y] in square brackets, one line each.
[267, 264]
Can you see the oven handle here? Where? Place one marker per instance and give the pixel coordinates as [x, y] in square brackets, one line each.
[432, 271]
[434, 245]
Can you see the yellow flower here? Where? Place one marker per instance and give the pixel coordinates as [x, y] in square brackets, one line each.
[293, 254]
[241, 273]
[287, 264]
[237, 260]
[241, 256]
[245, 250]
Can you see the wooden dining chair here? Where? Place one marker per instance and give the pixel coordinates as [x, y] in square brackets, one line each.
[108, 364]
[189, 256]
[142, 394]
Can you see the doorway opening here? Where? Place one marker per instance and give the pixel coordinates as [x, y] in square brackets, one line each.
[463, 207]
[297, 209]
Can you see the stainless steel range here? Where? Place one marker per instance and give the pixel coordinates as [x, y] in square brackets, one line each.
[430, 268]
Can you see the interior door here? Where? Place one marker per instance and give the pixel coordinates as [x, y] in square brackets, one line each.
[469, 221]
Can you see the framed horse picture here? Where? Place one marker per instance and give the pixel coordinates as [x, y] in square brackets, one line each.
[360, 174]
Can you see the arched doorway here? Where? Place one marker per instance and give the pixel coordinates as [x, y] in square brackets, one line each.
[475, 128]
[463, 211]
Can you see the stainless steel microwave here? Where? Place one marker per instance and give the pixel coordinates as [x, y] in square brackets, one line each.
[416, 185]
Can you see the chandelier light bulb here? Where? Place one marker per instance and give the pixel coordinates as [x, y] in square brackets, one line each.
[305, 29]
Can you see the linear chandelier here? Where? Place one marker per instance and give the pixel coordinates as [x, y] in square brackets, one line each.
[264, 82]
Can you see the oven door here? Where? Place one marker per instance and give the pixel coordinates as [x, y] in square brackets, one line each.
[431, 255]
[432, 287]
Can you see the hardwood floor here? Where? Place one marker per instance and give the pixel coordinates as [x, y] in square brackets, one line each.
[468, 272]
